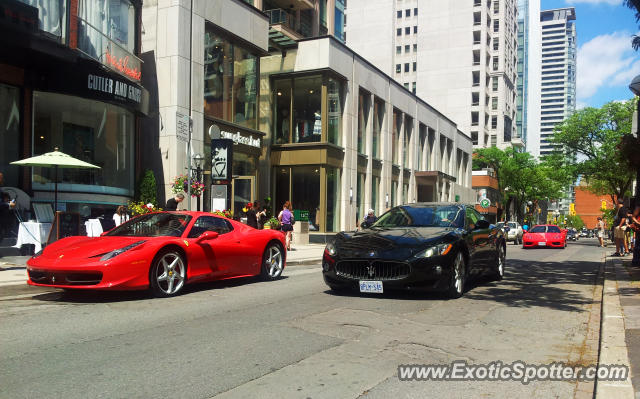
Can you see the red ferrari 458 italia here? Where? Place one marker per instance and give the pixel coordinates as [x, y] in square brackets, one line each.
[545, 235]
[162, 251]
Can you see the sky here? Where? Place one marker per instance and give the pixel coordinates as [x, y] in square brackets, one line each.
[606, 61]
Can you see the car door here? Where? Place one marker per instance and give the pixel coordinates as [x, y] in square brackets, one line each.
[212, 258]
[475, 241]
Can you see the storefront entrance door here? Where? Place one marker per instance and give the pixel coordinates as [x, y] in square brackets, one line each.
[243, 192]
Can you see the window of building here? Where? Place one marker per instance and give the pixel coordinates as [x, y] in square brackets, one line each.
[115, 21]
[415, 48]
[496, 43]
[494, 122]
[399, 14]
[494, 103]
[474, 138]
[95, 132]
[407, 30]
[378, 120]
[494, 83]
[406, 67]
[496, 25]
[399, 32]
[408, 131]
[415, 11]
[339, 20]
[230, 81]
[413, 87]
[407, 13]
[415, 66]
[395, 135]
[398, 68]
[407, 48]
[398, 49]
[364, 100]
[10, 134]
[335, 106]
[495, 63]
[375, 189]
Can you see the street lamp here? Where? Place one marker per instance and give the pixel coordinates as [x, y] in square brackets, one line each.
[197, 160]
[634, 86]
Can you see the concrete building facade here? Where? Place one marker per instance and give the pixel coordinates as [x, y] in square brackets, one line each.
[558, 74]
[459, 57]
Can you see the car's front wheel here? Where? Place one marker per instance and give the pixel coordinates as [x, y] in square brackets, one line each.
[168, 274]
[272, 262]
[458, 276]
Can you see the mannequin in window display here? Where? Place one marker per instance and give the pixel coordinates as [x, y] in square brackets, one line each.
[317, 126]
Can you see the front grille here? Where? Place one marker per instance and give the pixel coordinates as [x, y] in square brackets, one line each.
[373, 270]
[65, 278]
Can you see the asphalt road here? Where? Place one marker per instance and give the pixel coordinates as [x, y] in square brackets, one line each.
[293, 338]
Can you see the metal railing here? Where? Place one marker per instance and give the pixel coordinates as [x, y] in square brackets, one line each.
[94, 43]
[278, 16]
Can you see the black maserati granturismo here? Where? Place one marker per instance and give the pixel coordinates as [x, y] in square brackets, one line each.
[422, 246]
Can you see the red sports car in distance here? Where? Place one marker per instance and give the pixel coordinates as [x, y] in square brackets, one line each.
[162, 251]
[544, 235]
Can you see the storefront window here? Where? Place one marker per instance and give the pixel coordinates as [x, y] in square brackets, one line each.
[394, 191]
[305, 189]
[395, 136]
[307, 106]
[230, 80]
[378, 118]
[282, 119]
[51, 15]
[9, 133]
[360, 212]
[375, 189]
[363, 118]
[243, 164]
[333, 199]
[282, 186]
[95, 132]
[104, 22]
[334, 99]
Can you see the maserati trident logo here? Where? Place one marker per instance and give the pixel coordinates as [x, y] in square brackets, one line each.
[372, 254]
[371, 271]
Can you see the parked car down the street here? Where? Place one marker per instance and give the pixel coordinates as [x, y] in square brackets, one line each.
[162, 251]
[423, 246]
[571, 235]
[515, 232]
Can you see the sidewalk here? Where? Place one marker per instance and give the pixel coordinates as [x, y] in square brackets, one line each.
[13, 269]
[620, 328]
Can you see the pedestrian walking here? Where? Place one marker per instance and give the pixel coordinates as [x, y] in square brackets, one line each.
[600, 227]
[635, 227]
[252, 219]
[286, 221]
[620, 225]
[370, 218]
[172, 204]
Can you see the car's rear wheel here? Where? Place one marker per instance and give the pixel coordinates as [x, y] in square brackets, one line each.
[272, 262]
[498, 273]
[168, 274]
[458, 277]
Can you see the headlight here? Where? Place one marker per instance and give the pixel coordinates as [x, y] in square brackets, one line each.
[331, 249]
[436, 250]
[117, 252]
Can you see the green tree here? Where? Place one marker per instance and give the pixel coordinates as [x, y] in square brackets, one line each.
[593, 136]
[147, 188]
[575, 221]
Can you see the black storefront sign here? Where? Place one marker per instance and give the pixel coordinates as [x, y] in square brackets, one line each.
[221, 161]
[93, 81]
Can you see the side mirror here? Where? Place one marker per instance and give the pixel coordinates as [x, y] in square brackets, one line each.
[482, 224]
[207, 236]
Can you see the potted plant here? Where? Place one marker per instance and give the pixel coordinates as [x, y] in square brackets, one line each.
[272, 223]
[224, 213]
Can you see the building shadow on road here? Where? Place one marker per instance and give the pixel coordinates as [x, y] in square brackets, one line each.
[88, 296]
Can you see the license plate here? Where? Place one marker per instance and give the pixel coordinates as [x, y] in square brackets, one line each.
[374, 287]
[542, 244]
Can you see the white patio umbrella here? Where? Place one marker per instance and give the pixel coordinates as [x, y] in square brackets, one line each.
[55, 159]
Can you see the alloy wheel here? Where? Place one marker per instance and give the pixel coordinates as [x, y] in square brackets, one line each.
[274, 262]
[170, 273]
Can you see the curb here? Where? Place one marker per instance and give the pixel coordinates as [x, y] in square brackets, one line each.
[613, 347]
[304, 262]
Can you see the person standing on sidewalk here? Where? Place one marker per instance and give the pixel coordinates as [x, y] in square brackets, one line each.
[600, 227]
[635, 228]
[619, 230]
[286, 220]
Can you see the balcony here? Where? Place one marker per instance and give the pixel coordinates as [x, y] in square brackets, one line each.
[285, 23]
[95, 44]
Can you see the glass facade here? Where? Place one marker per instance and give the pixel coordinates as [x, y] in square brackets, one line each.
[339, 21]
[95, 132]
[230, 80]
[395, 135]
[302, 98]
[333, 199]
[9, 133]
[408, 130]
[375, 189]
[112, 19]
[378, 120]
[52, 16]
[363, 118]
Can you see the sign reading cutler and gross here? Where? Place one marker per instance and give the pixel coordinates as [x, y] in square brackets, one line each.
[221, 161]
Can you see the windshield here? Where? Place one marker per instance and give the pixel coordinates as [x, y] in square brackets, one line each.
[422, 216]
[153, 225]
[538, 229]
[553, 229]
[513, 225]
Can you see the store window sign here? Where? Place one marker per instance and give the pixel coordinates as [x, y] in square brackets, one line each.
[120, 61]
[115, 87]
[239, 138]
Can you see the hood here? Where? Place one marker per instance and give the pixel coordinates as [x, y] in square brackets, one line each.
[87, 247]
[392, 243]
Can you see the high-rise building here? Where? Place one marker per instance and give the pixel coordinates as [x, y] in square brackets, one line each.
[462, 58]
[528, 82]
[558, 74]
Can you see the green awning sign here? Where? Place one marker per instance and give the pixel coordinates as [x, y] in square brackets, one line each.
[485, 203]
